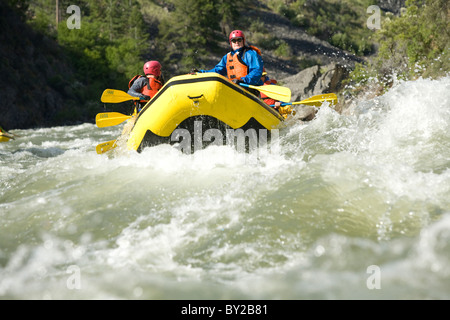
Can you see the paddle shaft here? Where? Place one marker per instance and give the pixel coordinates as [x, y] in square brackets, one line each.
[316, 100]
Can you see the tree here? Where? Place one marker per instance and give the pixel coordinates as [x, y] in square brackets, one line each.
[188, 31]
[414, 44]
[194, 27]
[418, 39]
[20, 6]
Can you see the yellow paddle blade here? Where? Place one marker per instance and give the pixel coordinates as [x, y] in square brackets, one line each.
[108, 119]
[275, 92]
[319, 99]
[4, 138]
[106, 146]
[116, 96]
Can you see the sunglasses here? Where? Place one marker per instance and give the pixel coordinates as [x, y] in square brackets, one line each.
[236, 40]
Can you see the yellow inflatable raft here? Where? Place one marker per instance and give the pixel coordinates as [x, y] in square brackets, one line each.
[200, 109]
[5, 136]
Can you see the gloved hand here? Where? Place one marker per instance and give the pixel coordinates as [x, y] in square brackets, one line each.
[144, 97]
[277, 105]
[237, 81]
[194, 71]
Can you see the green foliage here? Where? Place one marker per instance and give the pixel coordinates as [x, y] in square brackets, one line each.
[106, 50]
[416, 40]
[283, 50]
[193, 28]
[117, 37]
[341, 22]
[42, 16]
[264, 39]
[411, 45]
[304, 63]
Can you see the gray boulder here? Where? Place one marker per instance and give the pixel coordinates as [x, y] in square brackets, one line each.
[315, 80]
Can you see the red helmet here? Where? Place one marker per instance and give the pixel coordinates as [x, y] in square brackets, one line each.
[152, 67]
[236, 34]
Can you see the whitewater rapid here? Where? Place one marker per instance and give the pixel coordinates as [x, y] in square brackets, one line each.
[346, 206]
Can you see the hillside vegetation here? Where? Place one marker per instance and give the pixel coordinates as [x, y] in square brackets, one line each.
[65, 70]
[339, 22]
[414, 44]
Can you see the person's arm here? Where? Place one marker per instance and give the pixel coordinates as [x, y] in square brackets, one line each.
[255, 68]
[220, 68]
[136, 89]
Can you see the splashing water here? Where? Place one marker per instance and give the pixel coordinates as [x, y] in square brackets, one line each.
[338, 197]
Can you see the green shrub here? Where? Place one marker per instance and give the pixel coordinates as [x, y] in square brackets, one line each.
[341, 22]
[283, 50]
[412, 45]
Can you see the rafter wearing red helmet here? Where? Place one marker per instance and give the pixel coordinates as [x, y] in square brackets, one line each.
[145, 87]
[242, 64]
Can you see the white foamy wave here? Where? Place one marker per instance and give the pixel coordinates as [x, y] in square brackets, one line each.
[303, 219]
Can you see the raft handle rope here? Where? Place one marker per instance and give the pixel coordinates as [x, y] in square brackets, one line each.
[195, 98]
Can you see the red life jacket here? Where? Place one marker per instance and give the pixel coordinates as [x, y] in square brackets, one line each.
[152, 87]
[236, 68]
[265, 98]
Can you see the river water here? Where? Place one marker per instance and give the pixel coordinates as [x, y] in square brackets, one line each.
[352, 206]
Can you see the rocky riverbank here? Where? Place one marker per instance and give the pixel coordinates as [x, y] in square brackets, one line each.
[332, 64]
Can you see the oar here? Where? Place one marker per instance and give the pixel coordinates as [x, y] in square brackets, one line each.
[4, 138]
[319, 99]
[106, 146]
[4, 133]
[108, 119]
[315, 100]
[116, 96]
[275, 92]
